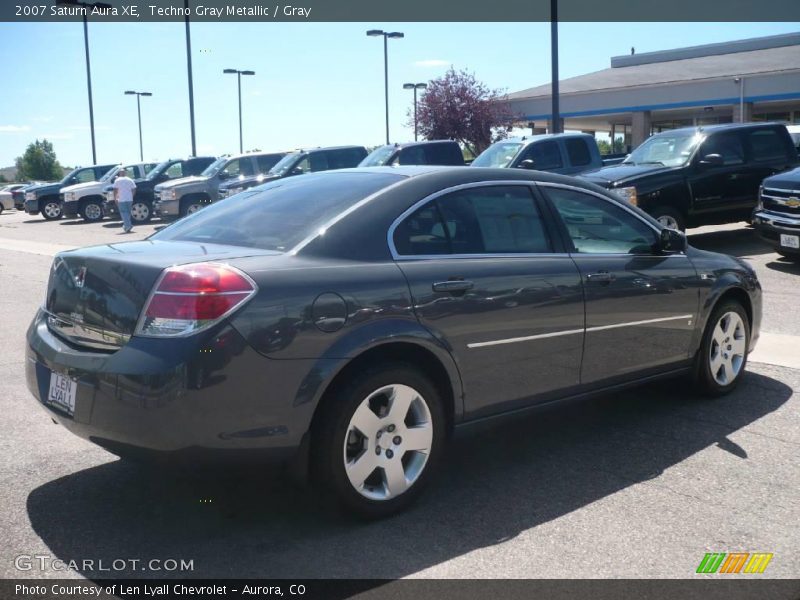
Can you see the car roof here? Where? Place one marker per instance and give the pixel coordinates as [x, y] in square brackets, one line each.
[525, 139]
[323, 148]
[417, 143]
[719, 127]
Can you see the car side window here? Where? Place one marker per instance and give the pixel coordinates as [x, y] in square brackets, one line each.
[267, 161]
[232, 168]
[766, 145]
[598, 226]
[545, 155]
[413, 155]
[85, 176]
[174, 171]
[479, 220]
[246, 167]
[727, 145]
[578, 152]
[318, 161]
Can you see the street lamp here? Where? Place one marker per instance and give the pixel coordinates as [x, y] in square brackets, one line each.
[415, 87]
[139, 111]
[239, 81]
[386, 35]
[189, 73]
[86, 7]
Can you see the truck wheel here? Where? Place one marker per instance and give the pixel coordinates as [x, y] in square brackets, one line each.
[50, 209]
[669, 218]
[92, 211]
[140, 212]
[1, 209]
[191, 206]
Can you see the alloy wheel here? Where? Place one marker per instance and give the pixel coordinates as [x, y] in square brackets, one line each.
[140, 212]
[727, 350]
[669, 222]
[193, 208]
[93, 212]
[388, 442]
[52, 210]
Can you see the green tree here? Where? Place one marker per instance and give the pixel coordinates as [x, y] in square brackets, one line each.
[3, 178]
[606, 148]
[38, 162]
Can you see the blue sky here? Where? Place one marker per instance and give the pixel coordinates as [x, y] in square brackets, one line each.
[315, 84]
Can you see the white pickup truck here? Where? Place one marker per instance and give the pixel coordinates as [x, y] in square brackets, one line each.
[86, 199]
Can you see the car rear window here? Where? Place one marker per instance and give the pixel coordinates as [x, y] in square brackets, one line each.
[578, 152]
[280, 214]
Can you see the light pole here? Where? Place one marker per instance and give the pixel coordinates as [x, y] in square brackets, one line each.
[386, 35]
[556, 113]
[86, 7]
[415, 87]
[239, 81]
[740, 81]
[139, 111]
[189, 71]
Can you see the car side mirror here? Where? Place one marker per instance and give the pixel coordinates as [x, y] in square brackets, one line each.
[712, 160]
[224, 175]
[671, 241]
[528, 163]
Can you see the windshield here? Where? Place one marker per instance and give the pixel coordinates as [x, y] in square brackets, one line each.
[499, 154]
[155, 171]
[666, 149]
[378, 157]
[214, 167]
[109, 174]
[284, 164]
[278, 215]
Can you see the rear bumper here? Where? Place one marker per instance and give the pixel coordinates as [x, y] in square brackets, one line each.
[770, 227]
[210, 395]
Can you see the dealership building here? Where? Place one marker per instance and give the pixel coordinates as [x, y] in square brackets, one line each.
[640, 94]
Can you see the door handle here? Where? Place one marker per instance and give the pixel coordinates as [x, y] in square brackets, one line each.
[453, 287]
[600, 277]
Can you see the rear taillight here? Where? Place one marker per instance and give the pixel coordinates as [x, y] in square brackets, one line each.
[190, 298]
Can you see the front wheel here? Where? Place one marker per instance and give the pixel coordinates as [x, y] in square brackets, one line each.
[51, 209]
[140, 212]
[722, 357]
[378, 438]
[92, 212]
[669, 217]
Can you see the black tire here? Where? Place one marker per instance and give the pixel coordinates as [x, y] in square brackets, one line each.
[141, 212]
[51, 209]
[790, 255]
[704, 380]
[91, 211]
[191, 205]
[669, 213]
[1, 209]
[331, 426]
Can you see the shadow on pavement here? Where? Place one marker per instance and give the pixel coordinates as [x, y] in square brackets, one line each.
[785, 265]
[737, 242]
[493, 485]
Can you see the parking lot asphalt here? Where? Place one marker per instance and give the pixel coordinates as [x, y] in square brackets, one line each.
[638, 484]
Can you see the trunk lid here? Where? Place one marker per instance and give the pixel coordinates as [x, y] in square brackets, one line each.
[96, 294]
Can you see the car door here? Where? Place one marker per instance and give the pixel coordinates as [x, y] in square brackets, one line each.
[720, 187]
[579, 155]
[769, 151]
[545, 154]
[641, 304]
[489, 279]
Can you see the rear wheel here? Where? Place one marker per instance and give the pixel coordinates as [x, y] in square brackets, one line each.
[140, 212]
[378, 438]
[50, 209]
[92, 211]
[669, 218]
[722, 357]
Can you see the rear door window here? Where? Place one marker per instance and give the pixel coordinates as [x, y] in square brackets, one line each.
[267, 161]
[414, 155]
[578, 152]
[443, 154]
[545, 155]
[479, 220]
[766, 145]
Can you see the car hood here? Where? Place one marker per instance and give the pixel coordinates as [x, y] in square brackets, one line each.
[181, 182]
[788, 180]
[82, 186]
[615, 174]
[238, 181]
[44, 187]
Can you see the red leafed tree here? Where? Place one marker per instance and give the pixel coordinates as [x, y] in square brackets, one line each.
[457, 106]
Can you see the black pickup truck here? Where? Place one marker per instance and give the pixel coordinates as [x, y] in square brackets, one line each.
[776, 218]
[700, 175]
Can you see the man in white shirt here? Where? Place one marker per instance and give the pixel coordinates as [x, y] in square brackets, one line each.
[123, 195]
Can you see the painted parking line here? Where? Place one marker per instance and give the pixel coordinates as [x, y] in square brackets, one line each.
[777, 349]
